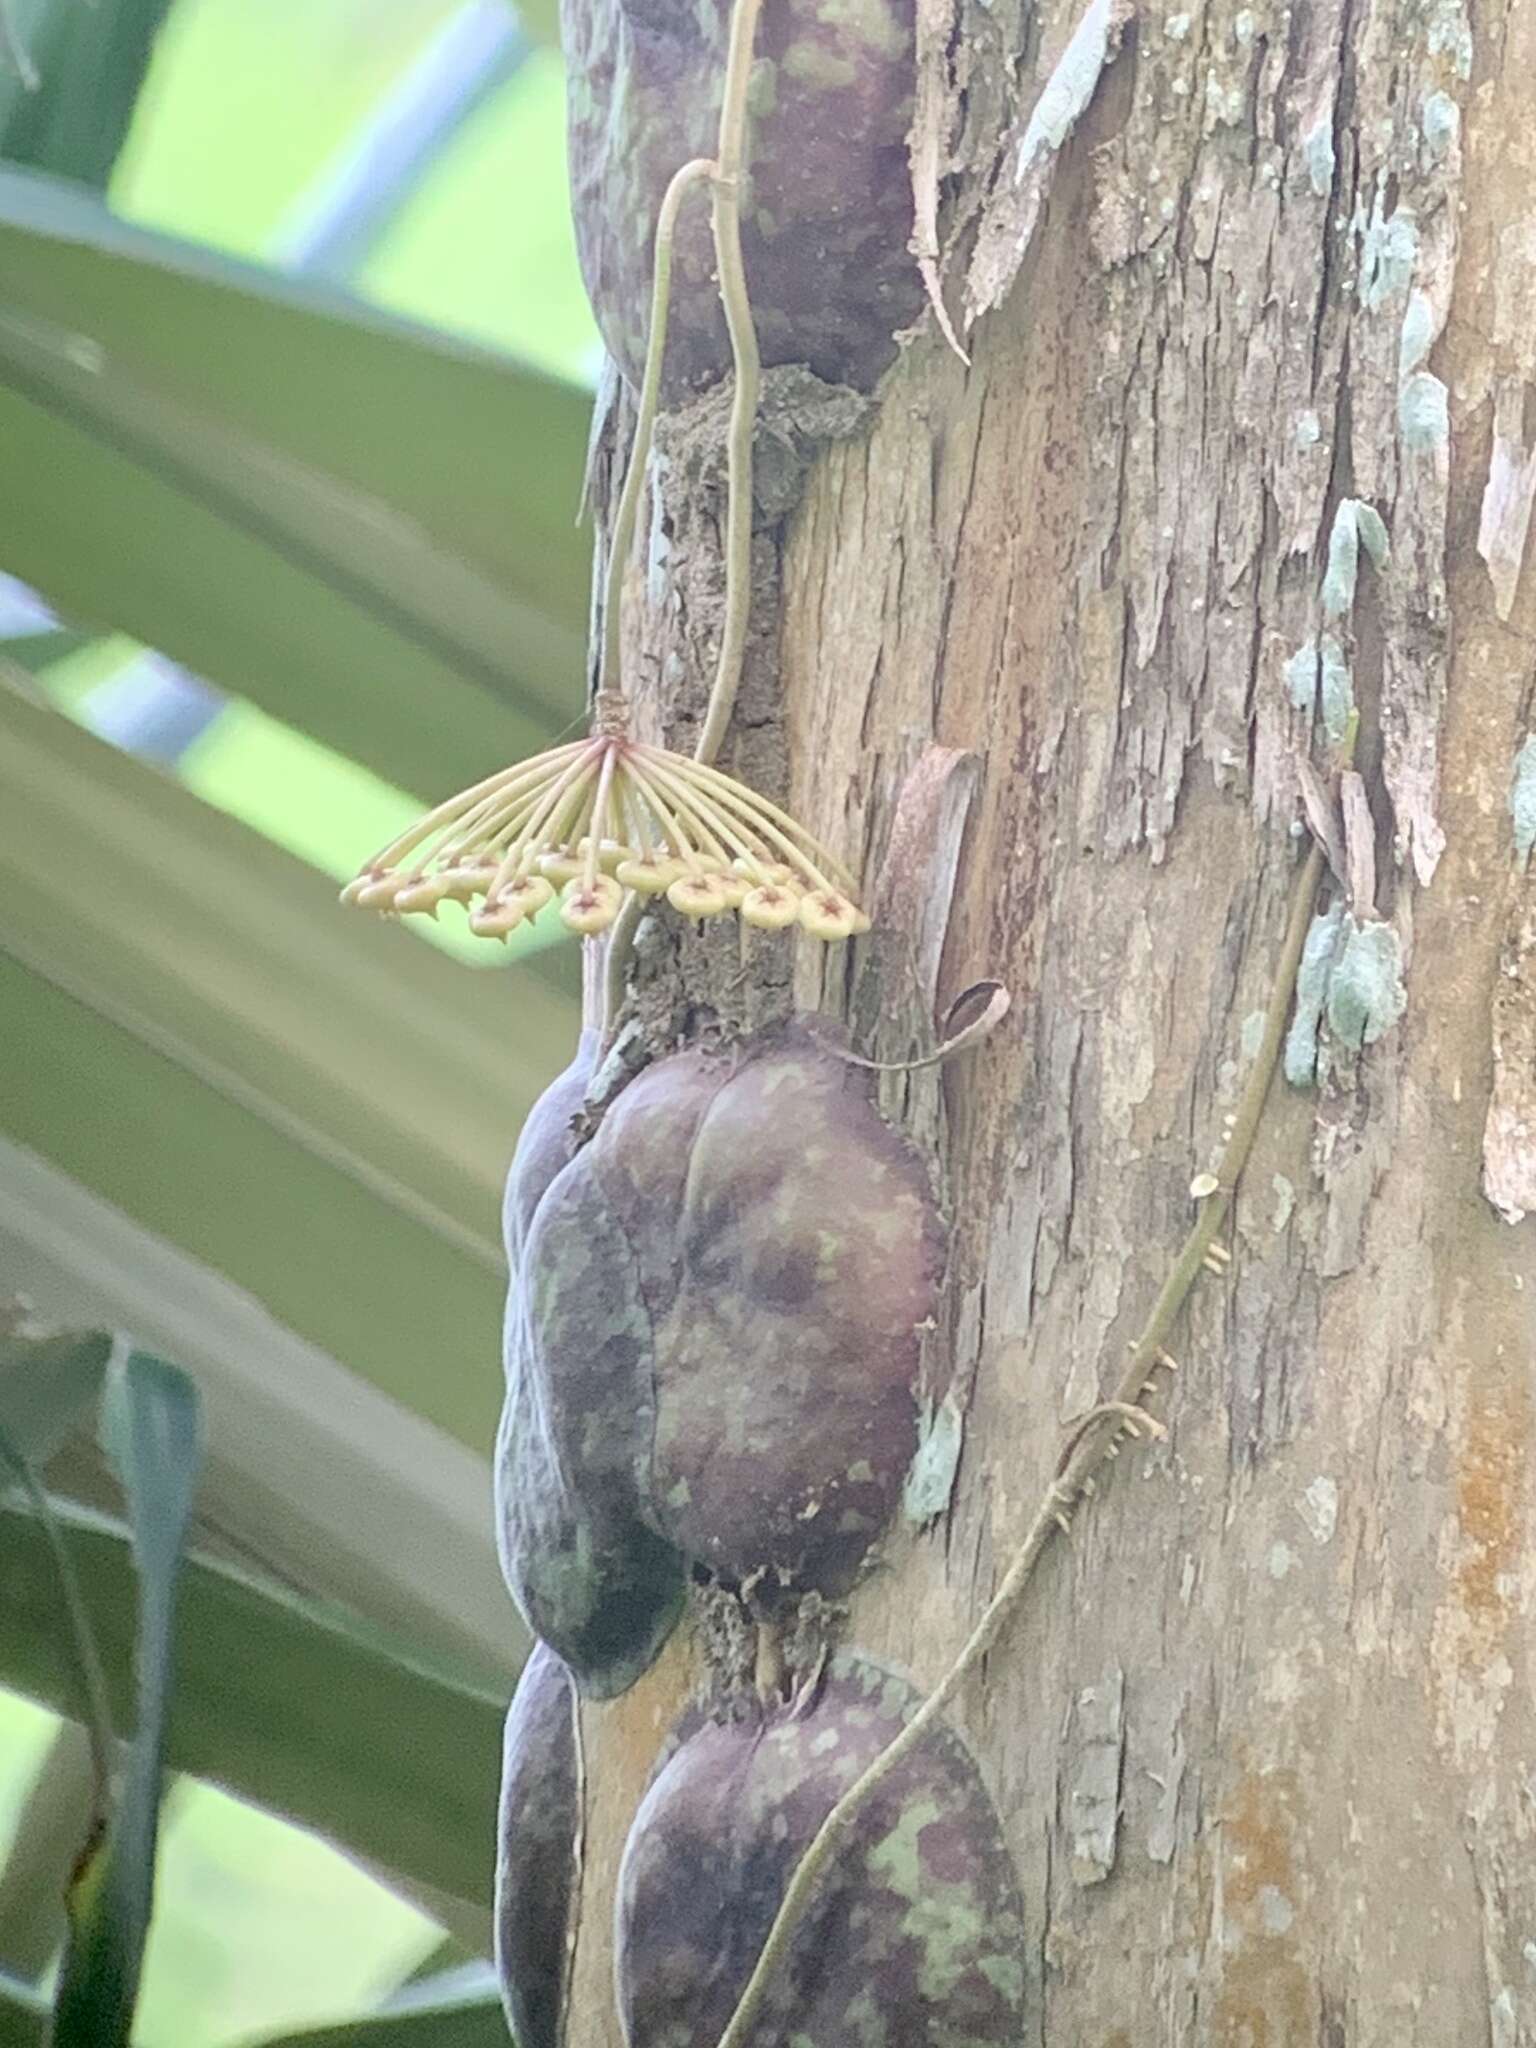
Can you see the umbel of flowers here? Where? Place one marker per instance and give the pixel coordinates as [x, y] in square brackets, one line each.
[609, 819]
[591, 821]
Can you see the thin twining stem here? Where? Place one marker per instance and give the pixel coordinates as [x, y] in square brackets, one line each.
[725, 219]
[622, 539]
[727, 171]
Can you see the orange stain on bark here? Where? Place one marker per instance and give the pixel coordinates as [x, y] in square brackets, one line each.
[1266, 1998]
[1490, 1505]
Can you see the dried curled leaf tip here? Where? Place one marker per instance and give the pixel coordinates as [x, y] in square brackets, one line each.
[597, 819]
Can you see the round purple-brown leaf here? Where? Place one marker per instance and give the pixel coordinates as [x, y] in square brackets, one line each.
[827, 216]
[914, 1937]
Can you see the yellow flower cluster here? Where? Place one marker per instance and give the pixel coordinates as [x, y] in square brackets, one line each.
[599, 818]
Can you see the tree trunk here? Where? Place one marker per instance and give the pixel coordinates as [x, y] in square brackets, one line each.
[1262, 1732]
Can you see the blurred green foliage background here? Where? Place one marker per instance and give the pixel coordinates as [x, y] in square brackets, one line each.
[261, 1926]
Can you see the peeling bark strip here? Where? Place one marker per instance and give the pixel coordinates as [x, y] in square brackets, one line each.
[1284, 265]
[1096, 1741]
[1505, 520]
[1029, 160]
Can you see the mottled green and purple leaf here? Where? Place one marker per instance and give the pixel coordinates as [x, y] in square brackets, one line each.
[712, 1345]
[915, 1937]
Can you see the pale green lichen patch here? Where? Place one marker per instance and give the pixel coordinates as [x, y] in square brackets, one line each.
[1440, 119]
[1373, 532]
[1389, 250]
[1224, 101]
[1301, 677]
[1366, 995]
[1311, 993]
[1449, 34]
[1317, 679]
[1522, 800]
[1423, 411]
[1338, 591]
[1317, 150]
[1354, 524]
[931, 1475]
[1418, 332]
[1335, 690]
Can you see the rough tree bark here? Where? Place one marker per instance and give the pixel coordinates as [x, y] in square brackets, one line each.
[1262, 1732]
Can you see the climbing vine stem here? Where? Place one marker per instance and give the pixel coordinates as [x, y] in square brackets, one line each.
[1098, 1437]
[727, 171]
[622, 539]
[730, 170]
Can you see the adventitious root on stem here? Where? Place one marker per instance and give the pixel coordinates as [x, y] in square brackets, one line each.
[596, 820]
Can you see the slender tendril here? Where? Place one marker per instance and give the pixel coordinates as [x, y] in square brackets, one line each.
[622, 539]
[726, 171]
[730, 169]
